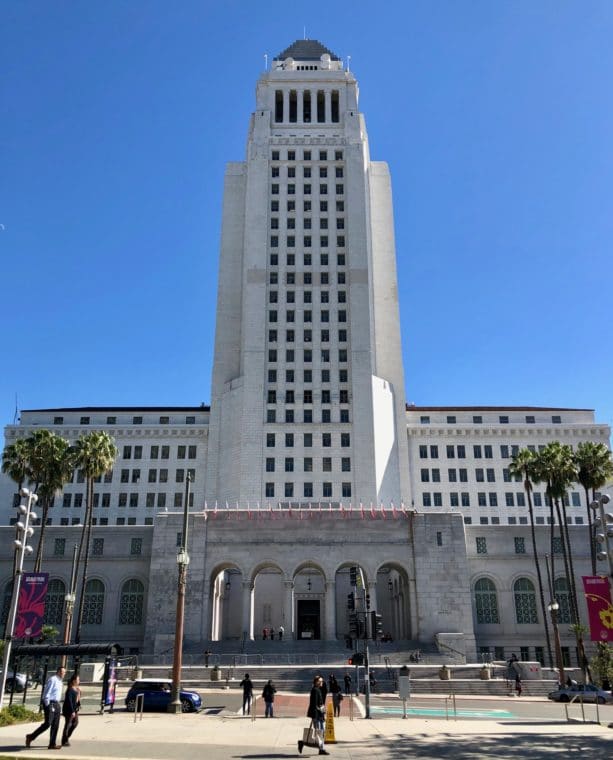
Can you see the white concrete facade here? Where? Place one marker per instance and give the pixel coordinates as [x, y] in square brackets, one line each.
[308, 432]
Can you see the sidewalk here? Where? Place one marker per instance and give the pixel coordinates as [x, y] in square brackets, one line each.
[159, 736]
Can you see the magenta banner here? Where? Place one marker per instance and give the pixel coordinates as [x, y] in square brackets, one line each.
[31, 605]
[599, 607]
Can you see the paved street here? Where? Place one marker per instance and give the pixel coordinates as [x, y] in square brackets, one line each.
[536, 729]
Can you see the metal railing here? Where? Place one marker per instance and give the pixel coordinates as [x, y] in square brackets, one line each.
[451, 698]
[579, 698]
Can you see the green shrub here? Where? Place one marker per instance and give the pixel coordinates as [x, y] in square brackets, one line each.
[18, 714]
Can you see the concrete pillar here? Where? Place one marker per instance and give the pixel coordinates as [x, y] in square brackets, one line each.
[330, 611]
[247, 609]
[288, 610]
[328, 99]
[299, 110]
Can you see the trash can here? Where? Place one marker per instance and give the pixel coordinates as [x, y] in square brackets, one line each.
[215, 673]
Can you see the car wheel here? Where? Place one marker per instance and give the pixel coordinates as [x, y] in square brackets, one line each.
[186, 706]
[601, 700]
[564, 698]
[131, 705]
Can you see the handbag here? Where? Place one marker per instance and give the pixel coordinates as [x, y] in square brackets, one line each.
[310, 737]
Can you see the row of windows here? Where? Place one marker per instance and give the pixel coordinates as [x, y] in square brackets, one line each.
[125, 499]
[159, 452]
[307, 223]
[326, 440]
[479, 452]
[307, 277]
[519, 544]
[307, 241]
[511, 499]
[136, 547]
[307, 374]
[524, 598]
[307, 395]
[307, 416]
[324, 260]
[326, 491]
[190, 419]
[131, 602]
[503, 419]
[307, 155]
[307, 206]
[275, 171]
[65, 521]
[290, 295]
[511, 520]
[307, 464]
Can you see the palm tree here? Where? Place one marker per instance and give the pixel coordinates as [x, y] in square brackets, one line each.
[51, 467]
[557, 466]
[522, 466]
[94, 454]
[595, 467]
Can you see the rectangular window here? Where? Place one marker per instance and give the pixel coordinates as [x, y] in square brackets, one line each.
[487, 451]
[461, 451]
[426, 499]
[308, 440]
[345, 440]
[423, 452]
[136, 546]
[454, 500]
[346, 490]
[98, 547]
[307, 490]
[326, 464]
[327, 490]
[289, 464]
[450, 452]
[509, 498]
[520, 545]
[270, 440]
[452, 475]
[504, 452]
[165, 452]
[477, 452]
[491, 478]
[59, 547]
[289, 440]
[308, 464]
[463, 472]
[493, 500]
[326, 440]
[270, 489]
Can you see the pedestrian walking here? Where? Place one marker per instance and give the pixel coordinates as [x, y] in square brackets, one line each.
[337, 695]
[70, 709]
[52, 693]
[347, 682]
[264, 633]
[281, 632]
[207, 654]
[316, 713]
[272, 633]
[518, 684]
[268, 694]
[247, 686]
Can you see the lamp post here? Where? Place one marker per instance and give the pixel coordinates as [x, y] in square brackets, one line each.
[24, 531]
[69, 600]
[603, 525]
[182, 562]
[553, 608]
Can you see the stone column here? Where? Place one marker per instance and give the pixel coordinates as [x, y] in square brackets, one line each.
[288, 610]
[328, 100]
[285, 119]
[330, 611]
[247, 611]
[299, 110]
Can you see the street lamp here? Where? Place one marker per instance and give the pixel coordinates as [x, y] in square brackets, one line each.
[69, 600]
[182, 563]
[603, 524]
[24, 531]
[553, 608]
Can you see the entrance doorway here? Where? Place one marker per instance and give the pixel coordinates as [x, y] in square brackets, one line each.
[308, 623]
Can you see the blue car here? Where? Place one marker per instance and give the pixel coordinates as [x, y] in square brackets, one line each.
[157, 694]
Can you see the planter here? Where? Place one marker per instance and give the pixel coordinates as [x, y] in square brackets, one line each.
[215, 673]
[444, 673]
[484, 674]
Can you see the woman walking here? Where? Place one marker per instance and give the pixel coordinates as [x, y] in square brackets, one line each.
[316, 713]
[70, 709]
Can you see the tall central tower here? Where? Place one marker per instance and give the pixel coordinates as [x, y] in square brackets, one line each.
[307, 400]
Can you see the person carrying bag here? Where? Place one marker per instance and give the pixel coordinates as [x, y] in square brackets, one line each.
[313, 736]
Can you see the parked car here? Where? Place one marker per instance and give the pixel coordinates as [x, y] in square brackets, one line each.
[586, 692]
[20, 681]
[157, 695]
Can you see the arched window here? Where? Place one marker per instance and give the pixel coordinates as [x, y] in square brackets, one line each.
[525, 601]
[54, 603]
[6, 602]
[486, 601]
[93, 604]
[560, 590]
[131, 603]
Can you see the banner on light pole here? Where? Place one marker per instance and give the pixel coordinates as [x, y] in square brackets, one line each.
[600, 610]
[31, 605]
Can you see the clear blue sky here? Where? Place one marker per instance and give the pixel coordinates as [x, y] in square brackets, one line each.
[117, 119]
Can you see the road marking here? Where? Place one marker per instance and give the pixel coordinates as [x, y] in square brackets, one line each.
[438, 713]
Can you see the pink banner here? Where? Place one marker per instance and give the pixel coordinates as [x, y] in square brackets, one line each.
[31, 605]
[600, 610]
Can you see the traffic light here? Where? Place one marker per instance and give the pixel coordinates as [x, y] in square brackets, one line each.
[353, 625]
[356, 659]
[367, 601]
[353, 575]
[351, 601]
[376, 626]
